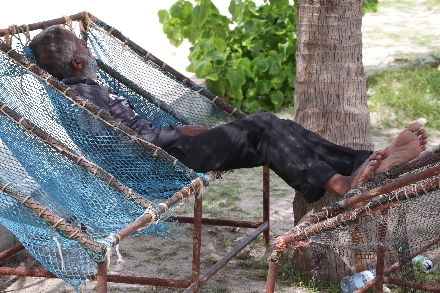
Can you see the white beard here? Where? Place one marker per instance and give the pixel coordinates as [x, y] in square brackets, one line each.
[90, 68]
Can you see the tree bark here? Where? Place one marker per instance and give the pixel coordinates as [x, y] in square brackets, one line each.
[330, 95]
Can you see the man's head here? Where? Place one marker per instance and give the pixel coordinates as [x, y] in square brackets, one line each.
[62, 54]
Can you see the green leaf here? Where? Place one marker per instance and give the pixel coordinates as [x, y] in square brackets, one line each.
[174, 34]
[279, 77]
[214, 20]
[163, 16]
[274, 65]
[194, 52]
[251, 92]
[236, 94]
[282, 5]
[235, 102]
[288, 95]
[214, 75]
[272, 53]
[202, 67]
[290, 69]
[225, 21]
[220, 44]
[266, 103]
[207, 46]
[246, 64]
[250, 106]
[208, 34]
[190, 67]
[181, 10]
[277, 86]
[256, 48]
[234, 59]
[252, 25]
[274, 41]
[212, 10]
[263, 87]
[216, 86]
[220, 32]
[291, 81]
[238, 47]
[216, 55]
[259, 65]
[236, 8]
[370, 5]
[236, 78]
[277, 98]
[292, 18]
[200, 14]
[247, 39]
[190, 33]
[283, 47]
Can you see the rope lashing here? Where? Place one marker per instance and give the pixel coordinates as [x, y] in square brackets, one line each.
[67, 21]
[5, 186]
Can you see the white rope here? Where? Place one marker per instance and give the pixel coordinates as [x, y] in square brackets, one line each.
[59, 248]
[110, 31]
[120, 260]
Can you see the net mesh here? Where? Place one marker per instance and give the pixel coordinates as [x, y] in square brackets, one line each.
[72, 177]
[398, 223]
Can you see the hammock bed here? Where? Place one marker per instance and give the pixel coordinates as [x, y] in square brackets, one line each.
[386, 222]
[74, 182]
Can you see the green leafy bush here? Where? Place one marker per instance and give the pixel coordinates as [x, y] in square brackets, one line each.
[251, 65]
[249, 59]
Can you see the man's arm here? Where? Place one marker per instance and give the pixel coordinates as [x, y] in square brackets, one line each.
[122, 111]
[192, 130]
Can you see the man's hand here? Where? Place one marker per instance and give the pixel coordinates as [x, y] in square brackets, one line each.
[192, 130]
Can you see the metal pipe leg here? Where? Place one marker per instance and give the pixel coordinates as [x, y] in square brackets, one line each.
[266, 202]
[102, 276]
[272, 276]
[197, 240]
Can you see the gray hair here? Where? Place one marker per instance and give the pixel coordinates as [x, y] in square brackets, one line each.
[53, 52]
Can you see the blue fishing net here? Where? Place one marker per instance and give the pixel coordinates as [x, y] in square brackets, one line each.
[37, 170]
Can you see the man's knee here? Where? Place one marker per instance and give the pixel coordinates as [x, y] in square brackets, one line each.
[267, 118]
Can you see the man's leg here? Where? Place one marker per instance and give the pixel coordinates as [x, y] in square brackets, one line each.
[264, 139]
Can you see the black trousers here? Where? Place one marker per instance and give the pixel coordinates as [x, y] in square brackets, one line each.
[303, 159]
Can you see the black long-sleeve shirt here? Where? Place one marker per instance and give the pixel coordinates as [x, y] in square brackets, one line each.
[119, 108]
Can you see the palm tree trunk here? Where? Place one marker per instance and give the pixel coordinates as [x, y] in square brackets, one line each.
[330, 94]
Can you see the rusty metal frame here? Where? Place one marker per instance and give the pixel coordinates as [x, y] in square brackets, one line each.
[381, 276]
[320, 222]
[197, 280]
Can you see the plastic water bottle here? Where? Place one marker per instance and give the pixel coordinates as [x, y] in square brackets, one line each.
[424, 263]
[349, 284]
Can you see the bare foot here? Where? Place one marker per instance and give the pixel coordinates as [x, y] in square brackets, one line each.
[407, 146]
[340, 185]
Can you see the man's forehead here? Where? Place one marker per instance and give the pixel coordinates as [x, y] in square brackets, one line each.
[69, 35]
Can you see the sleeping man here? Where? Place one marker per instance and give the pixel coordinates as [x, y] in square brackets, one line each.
[303, 159]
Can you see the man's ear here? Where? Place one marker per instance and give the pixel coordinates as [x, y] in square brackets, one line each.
[77, 63]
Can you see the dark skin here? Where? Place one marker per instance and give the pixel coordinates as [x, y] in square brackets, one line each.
[77, 71]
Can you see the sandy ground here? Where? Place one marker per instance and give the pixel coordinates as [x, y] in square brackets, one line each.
[155, 257]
